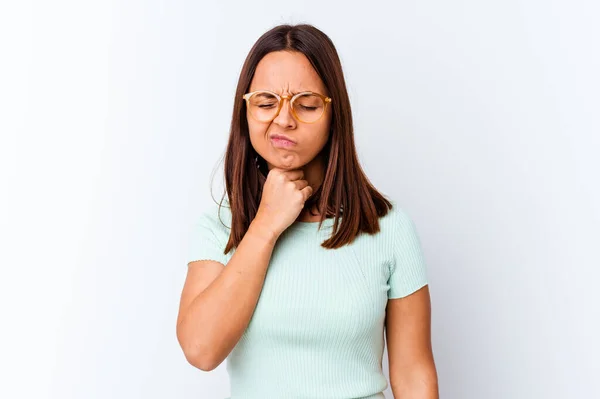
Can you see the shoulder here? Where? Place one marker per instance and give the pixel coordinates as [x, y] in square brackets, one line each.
[395, 227]
[399, 235]
[397, 221]
[217, 213]
[403, 238]
[216, 219]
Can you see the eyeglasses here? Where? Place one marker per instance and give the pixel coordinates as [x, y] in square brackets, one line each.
[307, 107]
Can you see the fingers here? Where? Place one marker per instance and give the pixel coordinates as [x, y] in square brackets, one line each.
[300, 184]
[304, 188]
[293, 174]
[307, 192]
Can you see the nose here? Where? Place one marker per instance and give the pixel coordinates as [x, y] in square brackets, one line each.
[284, 117]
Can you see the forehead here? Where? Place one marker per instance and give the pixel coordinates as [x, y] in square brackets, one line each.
[284, 71]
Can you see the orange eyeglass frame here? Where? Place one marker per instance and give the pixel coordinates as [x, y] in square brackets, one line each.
[326, 101]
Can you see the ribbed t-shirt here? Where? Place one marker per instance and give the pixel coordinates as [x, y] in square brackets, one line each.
[318, 327]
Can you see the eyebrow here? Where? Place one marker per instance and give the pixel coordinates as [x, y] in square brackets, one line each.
[293, 93]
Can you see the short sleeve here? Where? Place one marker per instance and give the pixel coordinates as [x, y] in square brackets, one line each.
[204, 243]
[408, 271]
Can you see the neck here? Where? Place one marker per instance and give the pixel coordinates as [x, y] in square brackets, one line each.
[314, 173]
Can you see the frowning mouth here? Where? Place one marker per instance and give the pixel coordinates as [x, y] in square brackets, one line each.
[281, 141]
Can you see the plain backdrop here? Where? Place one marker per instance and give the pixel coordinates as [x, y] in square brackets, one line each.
[479, 117]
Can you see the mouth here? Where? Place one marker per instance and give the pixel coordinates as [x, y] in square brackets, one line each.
[282, 141]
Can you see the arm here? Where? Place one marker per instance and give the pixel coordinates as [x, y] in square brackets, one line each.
[408, 333]
[217, 302]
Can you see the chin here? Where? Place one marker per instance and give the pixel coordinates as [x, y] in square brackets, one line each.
[280, 162]
[283, 166]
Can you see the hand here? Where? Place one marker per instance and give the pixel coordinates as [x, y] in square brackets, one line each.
[283, 196]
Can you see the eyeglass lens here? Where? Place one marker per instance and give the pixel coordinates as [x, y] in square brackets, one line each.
[307, 107]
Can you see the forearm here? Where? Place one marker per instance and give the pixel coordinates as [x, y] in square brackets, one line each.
[216, 319]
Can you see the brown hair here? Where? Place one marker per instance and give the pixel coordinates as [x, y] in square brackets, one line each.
[345, 190]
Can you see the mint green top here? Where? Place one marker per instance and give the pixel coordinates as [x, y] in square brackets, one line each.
[317, 330]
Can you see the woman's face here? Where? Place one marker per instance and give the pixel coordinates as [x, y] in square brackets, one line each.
[288, 73]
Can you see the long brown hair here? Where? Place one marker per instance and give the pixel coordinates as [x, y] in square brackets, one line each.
[345, 192]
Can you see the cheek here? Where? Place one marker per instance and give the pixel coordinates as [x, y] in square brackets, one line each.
[258, 140]
[316, 140]
[322, 133]
[256, 131]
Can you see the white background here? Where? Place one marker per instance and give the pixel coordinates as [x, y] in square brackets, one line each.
[479, 117]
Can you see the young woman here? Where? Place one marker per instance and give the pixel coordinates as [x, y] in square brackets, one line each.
[297, 273]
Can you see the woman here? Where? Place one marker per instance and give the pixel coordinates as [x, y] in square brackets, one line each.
[296, 277]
